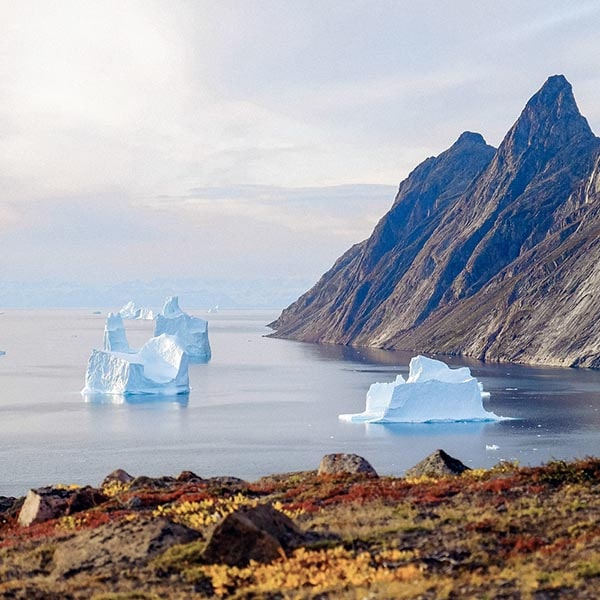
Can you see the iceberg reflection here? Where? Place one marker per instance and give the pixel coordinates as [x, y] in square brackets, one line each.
[180, 399]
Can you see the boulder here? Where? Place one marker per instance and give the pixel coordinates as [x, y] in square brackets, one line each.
[118, 475]
[144, 482]
[258, 533]
[6, 503]
[84, 498]
[118, 546]
[438, 464]
[43, 504]
[189, 477]
[47, 503]
[334, 464]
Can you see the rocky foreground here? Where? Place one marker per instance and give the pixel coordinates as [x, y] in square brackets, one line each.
[443, 531]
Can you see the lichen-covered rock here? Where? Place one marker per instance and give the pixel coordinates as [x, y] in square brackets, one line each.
[258, 533]
[333, 464]
[437, 464]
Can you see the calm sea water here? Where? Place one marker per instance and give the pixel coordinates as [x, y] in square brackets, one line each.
[260, 406]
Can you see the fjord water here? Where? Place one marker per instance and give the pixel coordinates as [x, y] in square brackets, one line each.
[260, 406]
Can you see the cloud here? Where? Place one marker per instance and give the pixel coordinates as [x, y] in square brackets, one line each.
[236, 231]
[347, 211]
[144, 137]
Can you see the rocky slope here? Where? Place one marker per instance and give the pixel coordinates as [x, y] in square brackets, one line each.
[488, 253]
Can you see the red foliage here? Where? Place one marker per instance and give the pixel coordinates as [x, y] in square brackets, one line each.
[484, 526]
[434, 493]
[522, 544]
[499, 485]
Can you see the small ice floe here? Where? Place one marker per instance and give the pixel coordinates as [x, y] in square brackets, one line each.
[492, 447]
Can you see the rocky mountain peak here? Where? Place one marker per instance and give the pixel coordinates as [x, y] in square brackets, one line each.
[551, 119]
[469, 138]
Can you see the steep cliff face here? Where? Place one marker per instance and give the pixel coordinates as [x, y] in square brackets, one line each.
[338, 308]
[487, 253]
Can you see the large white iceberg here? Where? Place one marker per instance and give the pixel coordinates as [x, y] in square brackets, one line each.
[191, 332]
[132, 311]
[159, 367]
[432, 392]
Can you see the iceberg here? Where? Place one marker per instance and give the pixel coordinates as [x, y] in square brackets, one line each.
[115, 338]
[433, 392]
[191, 332]
[132, 311]
[2, 353]
[159, 367]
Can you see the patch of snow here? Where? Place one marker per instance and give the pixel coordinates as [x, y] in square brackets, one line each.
[433, 392]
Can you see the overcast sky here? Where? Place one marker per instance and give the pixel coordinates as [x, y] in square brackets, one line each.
[144, 139]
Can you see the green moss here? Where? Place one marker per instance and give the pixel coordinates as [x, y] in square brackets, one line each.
[179, 558]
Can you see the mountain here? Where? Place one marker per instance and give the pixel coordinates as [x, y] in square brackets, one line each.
[492, 253]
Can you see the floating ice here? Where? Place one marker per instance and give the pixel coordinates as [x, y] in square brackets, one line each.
[132, 311]
[159, 367]
[432, 392]
[115, 338]
[191, 332]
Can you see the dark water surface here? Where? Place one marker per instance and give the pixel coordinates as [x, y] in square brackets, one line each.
[260, 406]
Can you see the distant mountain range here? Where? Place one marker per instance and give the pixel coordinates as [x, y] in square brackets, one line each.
[491, 253]
[267, 292]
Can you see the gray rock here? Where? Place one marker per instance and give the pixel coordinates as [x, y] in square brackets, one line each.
[332, 464]
[143, 481]
[6, 503]
[47, 503]
[189, 477]
[261, 534]
[43, 504]
[118, 546]
[118, 475]
[226, 483]
[438, 464]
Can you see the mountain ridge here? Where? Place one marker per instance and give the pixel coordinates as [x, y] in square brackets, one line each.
[475, 227]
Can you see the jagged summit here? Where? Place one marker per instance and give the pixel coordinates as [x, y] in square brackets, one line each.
[551, 118]
[481, 250]
[469, 137]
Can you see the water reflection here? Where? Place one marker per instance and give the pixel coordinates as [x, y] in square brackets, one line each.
[426, 429]
[120, 399]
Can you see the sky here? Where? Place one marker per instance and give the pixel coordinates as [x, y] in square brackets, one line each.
[240, 138]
